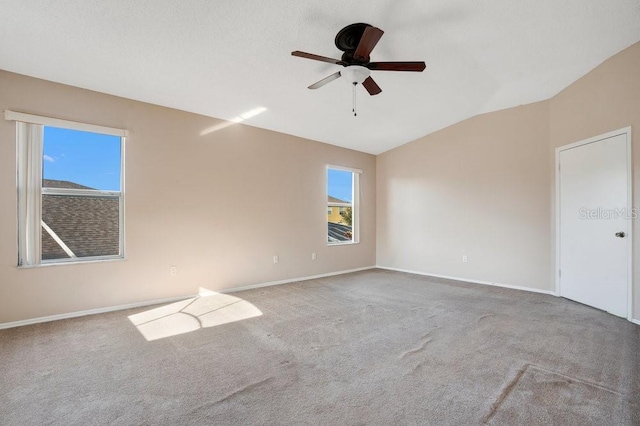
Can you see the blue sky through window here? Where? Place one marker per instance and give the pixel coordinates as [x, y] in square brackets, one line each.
[89, 159]
[340, 185]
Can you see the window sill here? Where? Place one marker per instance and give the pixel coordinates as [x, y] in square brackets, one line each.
[346, 243]
[72, 262]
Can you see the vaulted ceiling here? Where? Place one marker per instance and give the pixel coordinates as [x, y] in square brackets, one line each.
[224, 58]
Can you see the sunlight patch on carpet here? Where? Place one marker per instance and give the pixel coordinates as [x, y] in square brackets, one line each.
[208, 309]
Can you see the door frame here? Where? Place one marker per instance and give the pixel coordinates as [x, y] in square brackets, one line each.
[624, 131]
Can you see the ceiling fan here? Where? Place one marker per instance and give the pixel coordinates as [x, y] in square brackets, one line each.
[357, 41]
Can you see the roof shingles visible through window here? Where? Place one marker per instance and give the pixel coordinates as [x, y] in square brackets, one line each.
[88, 225]
[64, 184]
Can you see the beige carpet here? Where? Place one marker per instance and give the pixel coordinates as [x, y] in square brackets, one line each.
[374, 347]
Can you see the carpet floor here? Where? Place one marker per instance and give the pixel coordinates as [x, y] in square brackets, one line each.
[368, 348]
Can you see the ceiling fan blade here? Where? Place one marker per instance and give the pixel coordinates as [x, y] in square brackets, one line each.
[325, 81]
[371, 86]
[369, 39]
[397, 66]
[316, 57]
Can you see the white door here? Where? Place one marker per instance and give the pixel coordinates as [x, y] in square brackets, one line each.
[595, 223]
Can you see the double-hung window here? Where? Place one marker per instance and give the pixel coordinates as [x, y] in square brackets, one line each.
[343, 195]
[70, 190]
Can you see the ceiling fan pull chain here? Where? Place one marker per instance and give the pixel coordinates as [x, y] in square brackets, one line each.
[355, 113]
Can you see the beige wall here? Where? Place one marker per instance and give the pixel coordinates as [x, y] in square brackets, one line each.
[479, 188]
[606, 99]
[208, 204]
[485, 187]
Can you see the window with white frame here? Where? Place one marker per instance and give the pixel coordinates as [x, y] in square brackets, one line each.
[343, 193]
[70, 197]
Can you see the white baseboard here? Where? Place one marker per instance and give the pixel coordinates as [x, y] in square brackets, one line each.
[513, 287]
[635, 321]
[90, 312]
[167, 300]
[293, 280]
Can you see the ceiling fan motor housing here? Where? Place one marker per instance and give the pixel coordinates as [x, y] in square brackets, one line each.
[348, 39]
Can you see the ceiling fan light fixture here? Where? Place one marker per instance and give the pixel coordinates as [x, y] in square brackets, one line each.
[355, 74]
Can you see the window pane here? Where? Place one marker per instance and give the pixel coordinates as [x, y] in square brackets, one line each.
[82, 160]
[340, 206]
[83, 226]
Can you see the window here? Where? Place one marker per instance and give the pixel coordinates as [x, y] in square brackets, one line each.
[70, 198]
[343, 186]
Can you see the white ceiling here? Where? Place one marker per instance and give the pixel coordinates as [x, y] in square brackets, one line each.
[222, 58]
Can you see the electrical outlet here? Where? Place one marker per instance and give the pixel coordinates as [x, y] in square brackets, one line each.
[464, 258]
[173, 271]
[275, 259]
[313, 256]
